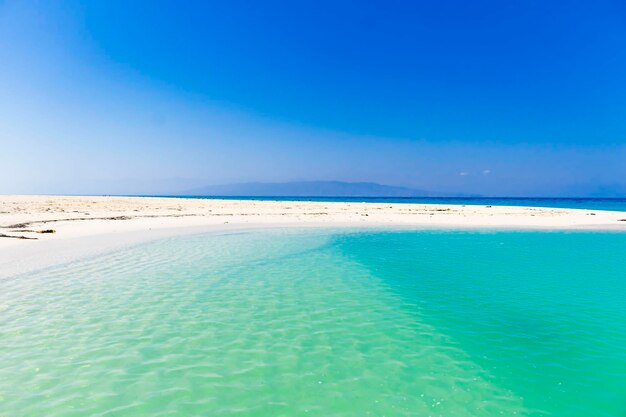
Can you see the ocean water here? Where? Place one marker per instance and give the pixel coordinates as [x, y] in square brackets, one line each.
[323, 323]
[613, 204]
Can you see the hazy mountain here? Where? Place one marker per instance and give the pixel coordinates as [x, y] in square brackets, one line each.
[308, 189]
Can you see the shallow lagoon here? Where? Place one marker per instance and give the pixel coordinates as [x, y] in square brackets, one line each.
[323, 323]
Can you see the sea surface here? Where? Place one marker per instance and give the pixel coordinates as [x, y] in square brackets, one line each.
[323, 323]
[613, 204]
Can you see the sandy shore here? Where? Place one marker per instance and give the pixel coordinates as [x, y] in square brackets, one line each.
[79, 226]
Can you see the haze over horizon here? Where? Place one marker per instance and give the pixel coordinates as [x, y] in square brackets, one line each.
[522, 98]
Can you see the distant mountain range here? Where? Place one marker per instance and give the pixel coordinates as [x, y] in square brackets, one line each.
[309, 189]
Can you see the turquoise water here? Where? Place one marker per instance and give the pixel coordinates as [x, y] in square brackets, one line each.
[323, 323]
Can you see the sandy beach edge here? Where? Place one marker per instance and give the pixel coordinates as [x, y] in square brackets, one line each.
[80, 227]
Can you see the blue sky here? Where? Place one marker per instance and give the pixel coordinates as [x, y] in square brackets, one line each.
[488, 97]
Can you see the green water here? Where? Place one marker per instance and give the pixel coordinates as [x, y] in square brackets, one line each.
[323, 323]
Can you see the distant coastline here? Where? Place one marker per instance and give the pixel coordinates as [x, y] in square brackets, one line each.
[310, 188]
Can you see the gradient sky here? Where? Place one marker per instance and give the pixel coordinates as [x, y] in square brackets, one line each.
[489, 97]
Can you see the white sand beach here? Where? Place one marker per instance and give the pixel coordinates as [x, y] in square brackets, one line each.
[37, 231]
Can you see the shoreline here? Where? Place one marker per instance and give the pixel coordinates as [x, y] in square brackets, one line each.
[88, 226]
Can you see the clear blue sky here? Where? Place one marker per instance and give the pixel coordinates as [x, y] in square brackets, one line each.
[489, 97]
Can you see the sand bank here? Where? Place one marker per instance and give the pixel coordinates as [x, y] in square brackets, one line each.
[79, 226]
